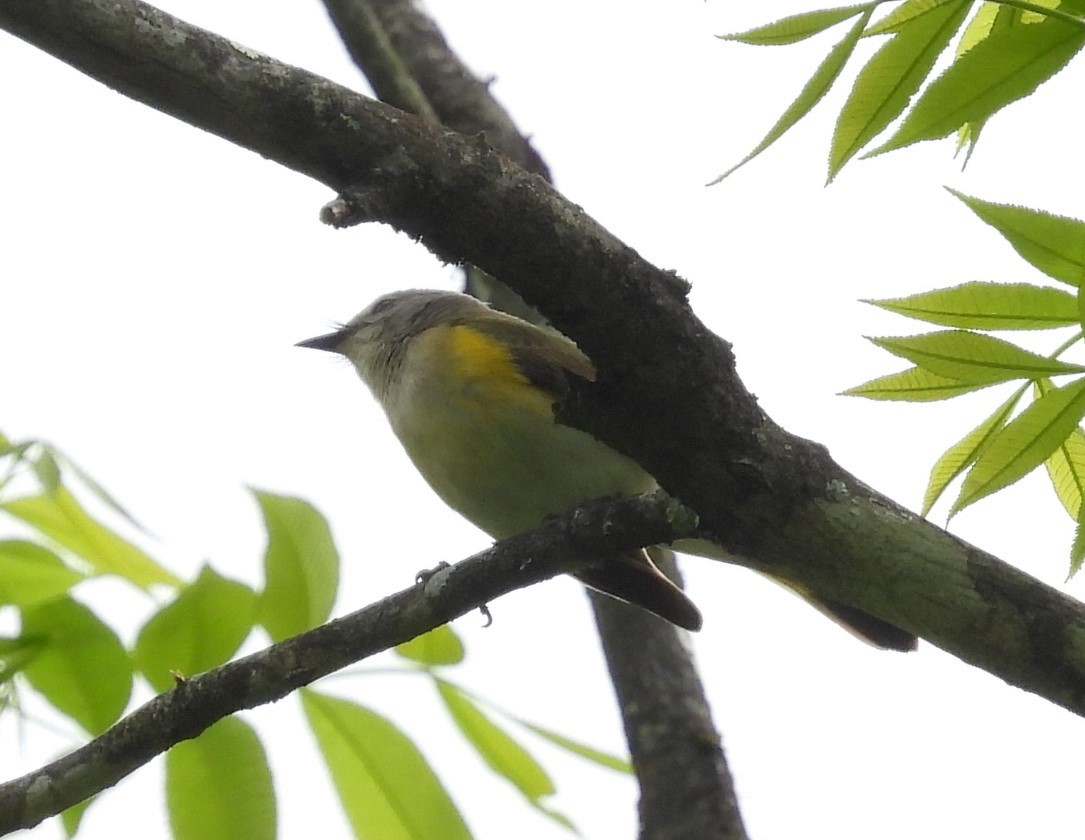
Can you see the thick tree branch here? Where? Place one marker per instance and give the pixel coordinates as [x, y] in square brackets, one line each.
[778, 503]
[565, 543]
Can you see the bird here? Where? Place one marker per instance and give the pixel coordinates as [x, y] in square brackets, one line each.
[470, 393]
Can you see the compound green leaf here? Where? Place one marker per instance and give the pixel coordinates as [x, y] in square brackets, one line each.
[31, 573]
[790, 30]
[812, 92]
[1066, 465]
[1007, 65]
[440, 646]
[964, 452]
[61, 518]
[201, 629]
[498, 749]
[1053, 244]
[892, 76]
[973, 357]
[1024, 443]
[913, 385]
[301, 566]
[219, 787]
[81, 666]
[989, 306]
[387, 788]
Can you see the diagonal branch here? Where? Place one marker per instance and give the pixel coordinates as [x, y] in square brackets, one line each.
[565, 543]
[778, 503]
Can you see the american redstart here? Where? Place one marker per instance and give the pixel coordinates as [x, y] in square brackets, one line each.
[470, 393]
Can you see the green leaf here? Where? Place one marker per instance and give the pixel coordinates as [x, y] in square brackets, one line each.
[973, 357]
[790, 30]
[61, 518]
[201, 629]
[48, 472]
[1053, 244]
[611, 762]
[812, 92]
[892, 76]
[1025, 443]
[219, 786]
[1066, 465]
[504, 755]
[964, 452]
[301, 567]
[1077, 549]
[604, 759]
[902, 15]
[914, 385]
[1007, 65]
[93, 486]
[989, 306]
[440, 646]
[31, 573]
[72, 817]
[81, 667]
[387, 788]
[14, 654]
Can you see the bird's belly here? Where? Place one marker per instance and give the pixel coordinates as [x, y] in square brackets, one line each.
[507, 465]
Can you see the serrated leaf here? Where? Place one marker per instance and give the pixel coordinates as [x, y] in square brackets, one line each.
[1066, 465]
[218, 785]
[201, 629]
[62, 519]
[81, 667]
[902, 15]
[964, 452]
[1077, 549]
[794, 28]
[31, 573]
[891, 77]
[1004, 67]
[1053, 244]
[301, 566]
[440, 646]
[387, 788]
[812, 92]
[500, 751]
[973, 357]
[989, 306]
[1024, 443]
[913, 385]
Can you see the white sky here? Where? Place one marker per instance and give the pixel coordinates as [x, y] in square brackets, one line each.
[155, 279]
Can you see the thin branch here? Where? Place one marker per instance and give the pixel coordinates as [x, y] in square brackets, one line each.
[565, 543]
[778, 503]
[395, 40]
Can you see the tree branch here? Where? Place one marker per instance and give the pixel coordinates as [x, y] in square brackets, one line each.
[572, 541]
[777, 502]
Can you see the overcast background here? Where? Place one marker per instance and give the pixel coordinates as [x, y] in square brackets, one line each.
[154, 279]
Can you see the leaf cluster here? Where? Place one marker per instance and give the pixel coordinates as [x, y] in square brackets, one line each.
[1004, 51]
[1039, 423]
[220, 784]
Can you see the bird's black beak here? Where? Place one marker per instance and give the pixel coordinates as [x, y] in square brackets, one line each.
[329, 342]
